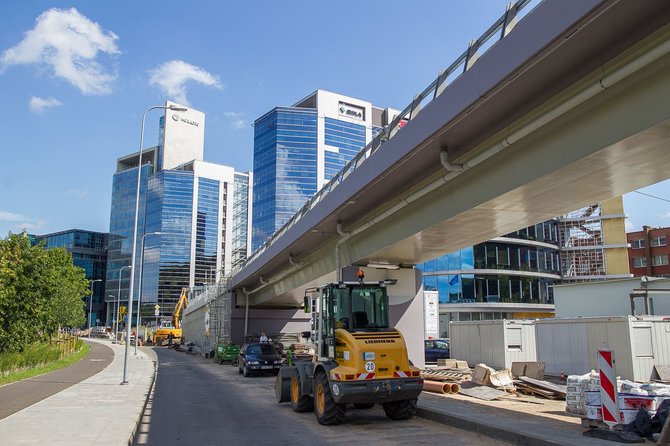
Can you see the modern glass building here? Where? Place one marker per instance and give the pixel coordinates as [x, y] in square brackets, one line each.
[188, 218]
[285, 162]
[298, 149]
[89, 252]
[511, 277]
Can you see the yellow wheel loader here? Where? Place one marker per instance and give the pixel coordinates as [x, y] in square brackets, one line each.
[359, 359]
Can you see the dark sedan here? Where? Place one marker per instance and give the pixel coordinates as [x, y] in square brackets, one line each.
[258, 357]
[436, 349]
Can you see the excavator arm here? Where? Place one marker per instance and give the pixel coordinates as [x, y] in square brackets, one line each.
[181, 304]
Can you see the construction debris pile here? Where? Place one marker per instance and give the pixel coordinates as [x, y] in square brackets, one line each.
[484, 382]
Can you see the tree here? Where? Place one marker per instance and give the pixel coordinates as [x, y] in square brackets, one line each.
[40, 290]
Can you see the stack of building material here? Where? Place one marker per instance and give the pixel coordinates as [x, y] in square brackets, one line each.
[537, 387]
[576, 390]
[447, 375]
[301, 351]
[583, 397]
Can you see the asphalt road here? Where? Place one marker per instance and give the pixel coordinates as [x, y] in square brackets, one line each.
[199, 402]
[19, 395]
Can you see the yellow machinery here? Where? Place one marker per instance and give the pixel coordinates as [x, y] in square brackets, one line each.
[358, 358]
[172, 327]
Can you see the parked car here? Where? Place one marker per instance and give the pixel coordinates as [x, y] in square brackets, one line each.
[258, 357]
[436, 349]
[99, 332]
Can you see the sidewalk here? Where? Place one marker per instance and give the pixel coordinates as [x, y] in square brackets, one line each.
[98, 410]
[523, 427]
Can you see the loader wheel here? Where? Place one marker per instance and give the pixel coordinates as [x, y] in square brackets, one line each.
[300, 403]
[400, 410]
[364, 405]
[326, 410]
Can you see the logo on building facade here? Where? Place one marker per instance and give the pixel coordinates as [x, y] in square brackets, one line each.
[178, 118]
[351, 111]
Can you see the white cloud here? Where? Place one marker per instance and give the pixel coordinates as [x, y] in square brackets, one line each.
[39, 105]
[68, 43]
[629, 225]
[237, 120]
[79, 193]
[172, 76]
[10, 216]
[27, 223]
[31, 226]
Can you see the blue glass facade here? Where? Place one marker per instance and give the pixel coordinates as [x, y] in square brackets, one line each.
[167, 258]
[207, 230]
[499, 271]
[89, 252]
[121, 222]
[348, 138]
[240, 219]
[285, 167]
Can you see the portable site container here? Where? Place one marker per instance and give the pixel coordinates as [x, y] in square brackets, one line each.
[571, 345]
[496, 343]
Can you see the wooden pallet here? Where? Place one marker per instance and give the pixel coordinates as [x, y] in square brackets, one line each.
[442, 375]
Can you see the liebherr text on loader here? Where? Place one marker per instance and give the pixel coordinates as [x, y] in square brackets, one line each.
[358, 358]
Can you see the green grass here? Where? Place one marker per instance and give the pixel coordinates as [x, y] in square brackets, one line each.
[36, 360]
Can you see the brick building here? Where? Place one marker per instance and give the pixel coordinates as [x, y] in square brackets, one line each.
[649, 252]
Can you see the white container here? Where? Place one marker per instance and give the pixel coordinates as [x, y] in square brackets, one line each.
[571, 345]
[496, 343]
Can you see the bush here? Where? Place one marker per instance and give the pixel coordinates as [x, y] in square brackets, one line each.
[34, 355]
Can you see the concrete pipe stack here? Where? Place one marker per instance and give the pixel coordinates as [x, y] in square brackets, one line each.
[440, 387]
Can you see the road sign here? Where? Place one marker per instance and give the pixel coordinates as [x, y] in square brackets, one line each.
[608, 387]
[156, 312]
[157, 307]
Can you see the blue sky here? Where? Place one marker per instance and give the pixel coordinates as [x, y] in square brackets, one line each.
[75, 78]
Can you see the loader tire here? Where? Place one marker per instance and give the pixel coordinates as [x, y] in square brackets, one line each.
[299, 402]
[400, 410]
[326, 410]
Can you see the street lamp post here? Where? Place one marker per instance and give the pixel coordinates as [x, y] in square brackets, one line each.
[134, 250]
[118, 305]
[139, 286]
[90, 305]
[111, 298]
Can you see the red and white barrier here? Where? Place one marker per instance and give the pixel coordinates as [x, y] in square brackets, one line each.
[608, 388]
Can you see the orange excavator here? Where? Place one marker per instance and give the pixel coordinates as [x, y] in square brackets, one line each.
[172, 327]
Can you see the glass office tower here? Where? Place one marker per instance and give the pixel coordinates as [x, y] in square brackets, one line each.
[285, 152]
[89, 252]
[190, 202]
[298, 149]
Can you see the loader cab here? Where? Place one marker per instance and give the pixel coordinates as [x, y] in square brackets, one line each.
[351, 306]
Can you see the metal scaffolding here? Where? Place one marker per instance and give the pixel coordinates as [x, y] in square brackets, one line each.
[582, 246]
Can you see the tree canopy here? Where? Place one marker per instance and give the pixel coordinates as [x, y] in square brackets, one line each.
[40, 291]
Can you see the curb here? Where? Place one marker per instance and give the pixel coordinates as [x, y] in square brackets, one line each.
[494, 432]
[133, 432]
